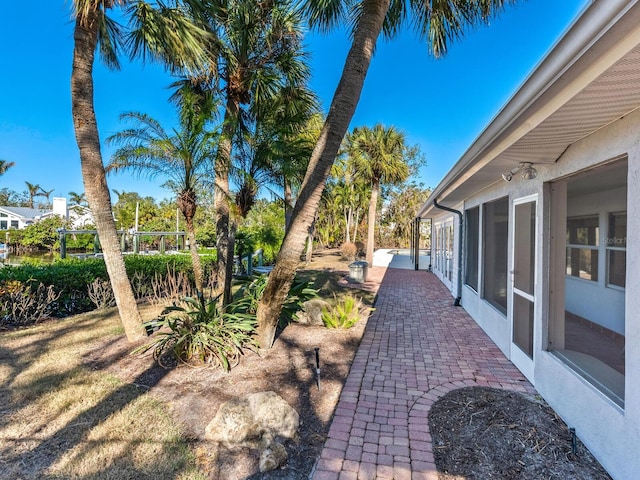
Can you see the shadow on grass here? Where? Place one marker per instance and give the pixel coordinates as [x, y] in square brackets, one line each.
[40, 363]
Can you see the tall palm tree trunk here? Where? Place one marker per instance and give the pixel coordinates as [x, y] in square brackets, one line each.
[224, 269]
[373, 204]
[342, 109]
[94, 178]
[355, 225]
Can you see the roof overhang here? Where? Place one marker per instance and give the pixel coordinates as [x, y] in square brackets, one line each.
[589, 79]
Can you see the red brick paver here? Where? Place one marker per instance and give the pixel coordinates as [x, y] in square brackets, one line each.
[416, 347]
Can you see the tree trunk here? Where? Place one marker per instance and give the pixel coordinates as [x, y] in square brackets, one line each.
[347, 222]
[288, 209]
[324, 154]
[224, 271]
[94, 178]
[373, 204]
[355, 226]
[310, 237]
[198, 272]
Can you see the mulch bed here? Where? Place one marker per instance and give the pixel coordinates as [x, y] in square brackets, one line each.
[481, 433]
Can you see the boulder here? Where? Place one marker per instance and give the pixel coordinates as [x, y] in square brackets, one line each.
[311, 313]
[256, 419]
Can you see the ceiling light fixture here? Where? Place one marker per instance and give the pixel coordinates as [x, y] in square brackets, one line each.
[528, 172]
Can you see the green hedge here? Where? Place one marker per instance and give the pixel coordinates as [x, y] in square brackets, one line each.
[70, 277]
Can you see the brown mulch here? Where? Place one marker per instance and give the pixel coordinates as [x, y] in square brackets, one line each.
[481, 433]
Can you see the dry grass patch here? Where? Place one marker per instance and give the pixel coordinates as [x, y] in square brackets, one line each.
[60, 419]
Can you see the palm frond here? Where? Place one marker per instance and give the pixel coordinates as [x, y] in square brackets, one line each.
[168, 35]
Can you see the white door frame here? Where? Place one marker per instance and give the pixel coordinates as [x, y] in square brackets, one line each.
[519, 357]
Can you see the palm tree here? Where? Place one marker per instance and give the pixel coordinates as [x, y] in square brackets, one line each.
[77, 199]
[258, 53]
[33, 189]
[45, 193]
[182, 157]
[273, 151]
[161, 33]
[381, 159]
[439, 23]
[5, 165]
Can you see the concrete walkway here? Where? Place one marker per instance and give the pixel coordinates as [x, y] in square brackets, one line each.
[416, 347]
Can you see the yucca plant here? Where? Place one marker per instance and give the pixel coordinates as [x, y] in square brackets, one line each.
[345, 312]
[199, 332]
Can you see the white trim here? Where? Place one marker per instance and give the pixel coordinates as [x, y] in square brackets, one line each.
[520, 358]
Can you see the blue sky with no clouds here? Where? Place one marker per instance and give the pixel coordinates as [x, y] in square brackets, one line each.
[441, 105]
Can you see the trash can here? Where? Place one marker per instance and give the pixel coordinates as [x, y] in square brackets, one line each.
[358, 272]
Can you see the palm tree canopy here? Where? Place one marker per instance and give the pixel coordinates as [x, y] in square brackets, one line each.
[182, 156]
[438, 22]
[155, 31]
[5, 165]
[379, 154]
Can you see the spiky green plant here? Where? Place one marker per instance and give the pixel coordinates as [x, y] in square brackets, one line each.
[249, 295]
[199, 332]
[344, 313]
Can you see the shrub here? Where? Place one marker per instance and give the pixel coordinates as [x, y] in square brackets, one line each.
[200, 333]
[23, 305]
[349, 251]
[249, 295]
[101, 294]
[69, 277]
[345, 312]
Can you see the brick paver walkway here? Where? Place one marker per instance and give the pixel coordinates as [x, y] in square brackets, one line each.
[416, 347]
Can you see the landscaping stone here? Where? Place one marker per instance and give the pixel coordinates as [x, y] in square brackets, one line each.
[311, 313]
[256, 421]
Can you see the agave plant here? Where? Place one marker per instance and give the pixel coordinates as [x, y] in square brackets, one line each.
[199, 332]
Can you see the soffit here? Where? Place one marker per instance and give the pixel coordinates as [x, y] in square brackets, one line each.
[613, 95]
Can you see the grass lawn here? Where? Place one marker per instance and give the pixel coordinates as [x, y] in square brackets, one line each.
[61, 419]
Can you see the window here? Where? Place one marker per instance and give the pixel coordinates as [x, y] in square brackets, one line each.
[3, 224]
[582, 247]
[587, 327]
[444, 249]
[617, 249]
[14, 224]
[472, 224]
[495, 248]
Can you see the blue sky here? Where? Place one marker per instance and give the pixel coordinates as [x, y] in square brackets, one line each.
[441, 105]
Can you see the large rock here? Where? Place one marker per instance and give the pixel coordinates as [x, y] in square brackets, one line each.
[256, 421]
[311, 313]
[257, 418]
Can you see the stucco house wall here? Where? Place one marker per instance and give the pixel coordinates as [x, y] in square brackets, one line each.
[612, 433]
